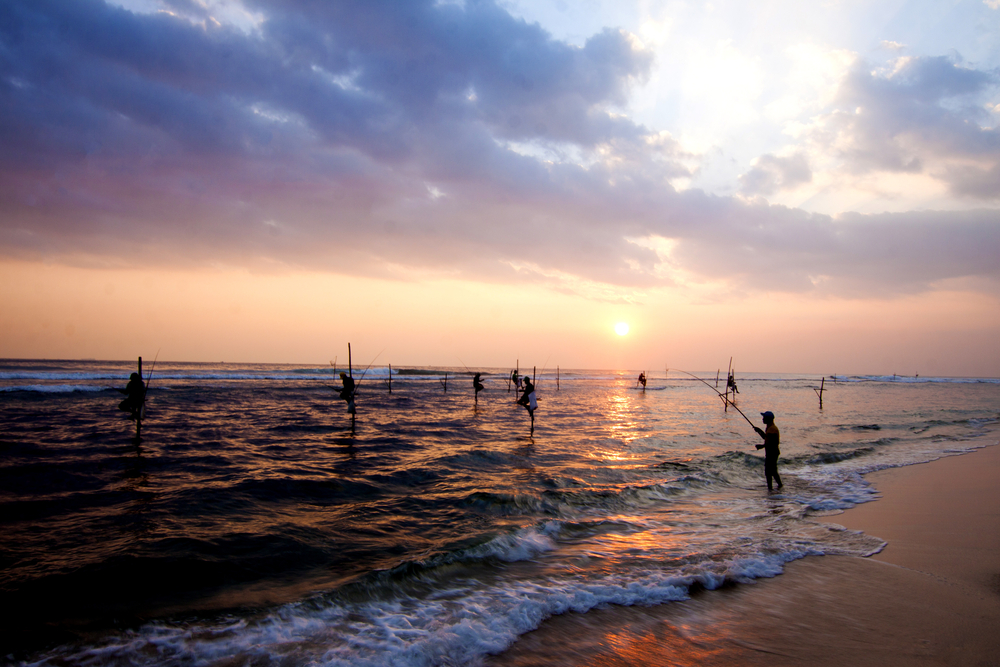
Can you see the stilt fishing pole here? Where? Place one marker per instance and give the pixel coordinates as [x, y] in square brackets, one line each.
[720, 395]
[149, 378]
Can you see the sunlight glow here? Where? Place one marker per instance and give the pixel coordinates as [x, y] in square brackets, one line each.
[621, 328]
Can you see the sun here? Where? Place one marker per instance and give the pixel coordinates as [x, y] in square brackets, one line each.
[621, 328]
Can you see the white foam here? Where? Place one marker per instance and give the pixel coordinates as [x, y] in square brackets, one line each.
[54, 388]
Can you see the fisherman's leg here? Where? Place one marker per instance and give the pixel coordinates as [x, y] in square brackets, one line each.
[771, 470]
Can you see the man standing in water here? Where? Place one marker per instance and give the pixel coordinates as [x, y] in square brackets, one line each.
[772, 439]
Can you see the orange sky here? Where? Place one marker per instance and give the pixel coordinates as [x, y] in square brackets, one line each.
[810, 188]
[233, 315]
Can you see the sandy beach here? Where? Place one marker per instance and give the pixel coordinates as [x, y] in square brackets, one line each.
[930, 597]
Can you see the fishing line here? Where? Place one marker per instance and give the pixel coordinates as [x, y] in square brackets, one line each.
[150, 376]
[719, 395]
[366, 370]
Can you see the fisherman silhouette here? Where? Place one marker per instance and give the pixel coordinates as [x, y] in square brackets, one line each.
[772, 439]
[477, 385]
[347, 392]
[731, 383]
[528, 396]
[642, 379]
[135, 396]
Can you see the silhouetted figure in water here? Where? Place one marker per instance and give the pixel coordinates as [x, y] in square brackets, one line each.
[347, 391]
[528, 396]
[477, 384]
[731, 383]
[528, 400]
[772, 439]
[135, 396]
[642, 380]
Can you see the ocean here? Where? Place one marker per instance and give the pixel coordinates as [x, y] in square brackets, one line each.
[253, 523]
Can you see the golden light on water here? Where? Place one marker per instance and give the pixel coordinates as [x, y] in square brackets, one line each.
[621, 328]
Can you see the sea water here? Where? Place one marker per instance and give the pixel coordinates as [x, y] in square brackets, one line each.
[251, 520]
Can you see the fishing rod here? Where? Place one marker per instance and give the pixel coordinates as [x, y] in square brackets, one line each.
[366, 369]
[149, 377]
[720, 396]
[544, 368]
[145, 389]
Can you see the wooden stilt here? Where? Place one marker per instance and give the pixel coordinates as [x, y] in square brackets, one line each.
[350, 373]
[557, 378]
[389, 381]
[138, 414]
[819, 392]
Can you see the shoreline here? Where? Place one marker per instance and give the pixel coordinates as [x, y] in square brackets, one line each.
[930, 597]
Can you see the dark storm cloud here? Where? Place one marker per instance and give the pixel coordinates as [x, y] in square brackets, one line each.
[363, 137]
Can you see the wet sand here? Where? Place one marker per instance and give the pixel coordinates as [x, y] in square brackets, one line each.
[931, 597]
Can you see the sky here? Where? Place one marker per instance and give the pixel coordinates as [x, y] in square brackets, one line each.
[804, 187]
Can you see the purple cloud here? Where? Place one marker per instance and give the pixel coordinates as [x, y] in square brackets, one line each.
[358, 137]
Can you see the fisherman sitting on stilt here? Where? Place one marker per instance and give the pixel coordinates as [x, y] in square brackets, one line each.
[477, 384]
[135, 396]
[347, 391]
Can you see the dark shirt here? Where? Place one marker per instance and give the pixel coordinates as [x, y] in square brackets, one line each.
[135, 390]
[528, 389]
[772, 439]
[347, 393]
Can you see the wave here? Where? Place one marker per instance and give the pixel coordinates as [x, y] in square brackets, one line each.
[56, 388]
[913, 379]
[442, 611]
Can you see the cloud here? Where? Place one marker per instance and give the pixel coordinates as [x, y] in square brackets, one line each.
[921, 115]
[771, 173]
[403, 138]
[761, 247]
